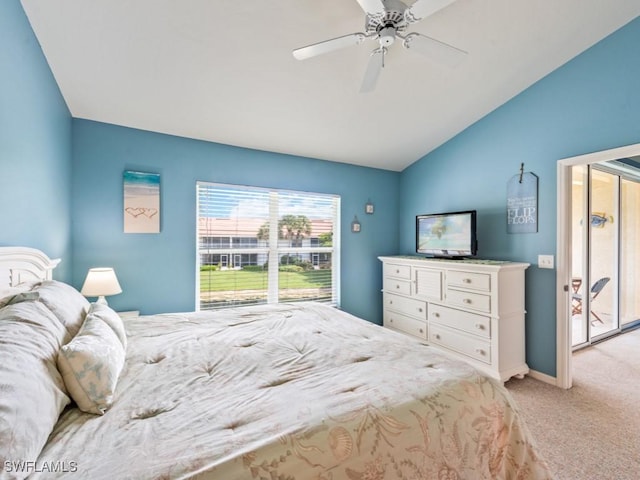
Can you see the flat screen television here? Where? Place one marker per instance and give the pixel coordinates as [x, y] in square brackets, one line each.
[450, 234]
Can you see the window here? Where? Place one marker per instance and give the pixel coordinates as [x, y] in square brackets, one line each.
[260, 245]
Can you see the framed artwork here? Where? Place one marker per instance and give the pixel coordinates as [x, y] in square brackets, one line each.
[355, 225]
[141, 202]
[368, 207]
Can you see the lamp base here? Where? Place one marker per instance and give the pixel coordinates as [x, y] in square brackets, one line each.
[102, 301]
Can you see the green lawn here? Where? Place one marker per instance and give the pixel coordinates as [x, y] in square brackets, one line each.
[223, 280]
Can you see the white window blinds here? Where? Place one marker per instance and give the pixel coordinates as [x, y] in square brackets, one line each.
[259, 245]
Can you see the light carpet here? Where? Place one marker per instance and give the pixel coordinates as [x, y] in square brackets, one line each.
[591, 431]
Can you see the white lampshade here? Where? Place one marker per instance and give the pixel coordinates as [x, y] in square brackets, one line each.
[101, 282]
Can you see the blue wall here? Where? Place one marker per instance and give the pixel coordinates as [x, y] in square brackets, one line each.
[35, 145]
[157, 271]
[590, 104]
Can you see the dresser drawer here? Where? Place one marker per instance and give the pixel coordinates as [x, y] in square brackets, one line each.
[471, 280]
[405, 324]
[469, 345]
[469, 300]
[407, 306]
[396, 271]
[466, 321]
[394, 285]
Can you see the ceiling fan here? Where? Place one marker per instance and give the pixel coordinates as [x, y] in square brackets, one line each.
[386, 20]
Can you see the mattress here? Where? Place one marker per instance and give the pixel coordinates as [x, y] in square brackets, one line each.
[291, 391]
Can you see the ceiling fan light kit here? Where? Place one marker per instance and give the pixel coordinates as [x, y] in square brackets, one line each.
[387, 36]
[384, 21]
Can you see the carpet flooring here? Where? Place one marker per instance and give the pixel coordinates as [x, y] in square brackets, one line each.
[592, 430]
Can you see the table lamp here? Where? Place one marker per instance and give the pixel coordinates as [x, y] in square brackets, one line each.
[101, 282]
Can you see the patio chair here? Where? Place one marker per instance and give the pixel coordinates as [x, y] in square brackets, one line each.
[576, 299]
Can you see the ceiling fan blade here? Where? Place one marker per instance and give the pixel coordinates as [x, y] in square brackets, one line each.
[376, 62]
[371, 6]
[328, 46]
[434, 49]
[423, 8]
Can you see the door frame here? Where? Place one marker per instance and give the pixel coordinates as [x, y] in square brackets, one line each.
[564, 377]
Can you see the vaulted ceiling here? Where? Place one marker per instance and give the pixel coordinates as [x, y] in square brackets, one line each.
[223, 70]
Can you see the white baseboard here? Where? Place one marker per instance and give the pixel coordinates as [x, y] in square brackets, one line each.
[543, 377]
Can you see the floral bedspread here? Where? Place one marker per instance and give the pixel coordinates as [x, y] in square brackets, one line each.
[293, 392]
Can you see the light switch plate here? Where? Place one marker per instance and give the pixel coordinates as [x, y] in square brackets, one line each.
[545, 261]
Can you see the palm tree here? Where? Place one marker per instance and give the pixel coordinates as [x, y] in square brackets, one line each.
[294, 228]
[263, 232]
[290, 227]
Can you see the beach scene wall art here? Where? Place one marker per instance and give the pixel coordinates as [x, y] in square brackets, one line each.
[141, 202]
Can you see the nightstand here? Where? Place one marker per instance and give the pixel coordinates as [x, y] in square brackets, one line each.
[129, 314]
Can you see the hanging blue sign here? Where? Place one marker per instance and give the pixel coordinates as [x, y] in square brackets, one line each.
[522, 203]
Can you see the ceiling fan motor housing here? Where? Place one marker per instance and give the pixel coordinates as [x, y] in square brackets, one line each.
[387, 36]
[391, 18]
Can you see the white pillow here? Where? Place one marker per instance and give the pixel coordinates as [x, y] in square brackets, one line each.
[66, 303]
[32, 393]
[111, 318]
[91, 364]
[8, 294]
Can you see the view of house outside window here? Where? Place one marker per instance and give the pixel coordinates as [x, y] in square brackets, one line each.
[258, 245]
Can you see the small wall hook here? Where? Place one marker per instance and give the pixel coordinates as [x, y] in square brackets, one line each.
[521, 171]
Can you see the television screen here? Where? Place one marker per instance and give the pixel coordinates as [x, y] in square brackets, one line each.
[451, 234]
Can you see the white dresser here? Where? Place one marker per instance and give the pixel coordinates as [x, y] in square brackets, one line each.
[471, 308]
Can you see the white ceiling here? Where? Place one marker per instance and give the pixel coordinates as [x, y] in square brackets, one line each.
[222, 70]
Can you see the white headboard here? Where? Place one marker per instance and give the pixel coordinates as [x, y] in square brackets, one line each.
[23, 264]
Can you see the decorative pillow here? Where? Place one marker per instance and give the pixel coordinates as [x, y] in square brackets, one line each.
[32, 393]
[111, 318]
[91, 364]
[65, 302]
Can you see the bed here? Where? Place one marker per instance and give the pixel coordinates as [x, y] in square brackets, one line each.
[279, 392]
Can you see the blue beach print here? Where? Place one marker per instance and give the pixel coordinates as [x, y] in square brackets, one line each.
[141, 202]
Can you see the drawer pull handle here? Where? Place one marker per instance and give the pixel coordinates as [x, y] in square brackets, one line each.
[420, 309]
[397, 286]
[437, 336]
[436, 314]
[479, 351]
[421, 331]
[391, 320]
[479, 326]
[466, 280]
[467, 301]
[397, 271]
